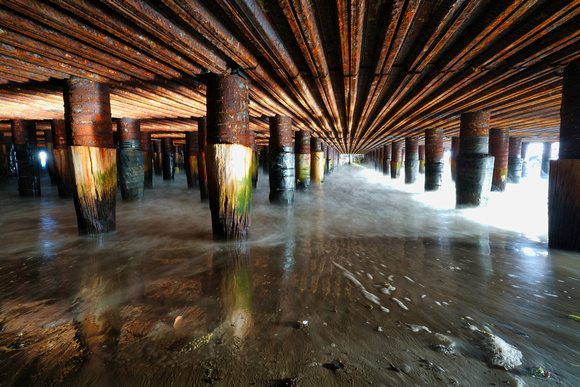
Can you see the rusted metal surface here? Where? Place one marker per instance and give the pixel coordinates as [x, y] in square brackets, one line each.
[474, 132]
[129, 130]
[227, 110]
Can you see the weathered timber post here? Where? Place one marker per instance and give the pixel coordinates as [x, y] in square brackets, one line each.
[514, 160]
[381, 153]
[157, 157]
[317, 161]
[265, 151]
[422, 159]
[229, 158]
[178, 155]
[168, 158]
[499, 148]
[302, 162]
[564, 184]
[147, 148]
[131, 160]
[474, 164]
[50, 164]
[89, 129]
[65, 182]
[546, 156]
[201, 157]
[397, 159]
[255, 157]
[434, 162]
[28, 164]
[387, 151]
[3, 158]
[325, 158]
[411, 159]
[453, 157]
[525, 146]
[191, 165]
[282, 174]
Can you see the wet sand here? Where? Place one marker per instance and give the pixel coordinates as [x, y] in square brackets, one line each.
[358, 284]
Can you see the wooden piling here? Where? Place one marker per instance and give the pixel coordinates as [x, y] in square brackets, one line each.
[396, 160]
[434, 161]
[168, 158]
[387, 154]
[453, 157]
[190, 152]
[93, 156]
[64, 171]
[282, 169]
[28, 163]
[422, 159]
[303, 158]
[514, 160]
[317, 161]
[147, 149]
[411, 159]
[229, 158]
[499, 148]
[255, 158]
[157, 157]
[131, 159]
[201, 158]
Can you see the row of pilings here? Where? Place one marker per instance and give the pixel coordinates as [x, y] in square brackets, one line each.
[88, 160]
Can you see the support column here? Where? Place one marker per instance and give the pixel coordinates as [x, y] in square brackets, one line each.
[131, 160]
[28, 164]
[89, 127]
[255, 158]
[191, 150]
[229, 159]
[64, 171]
[282, 175]
[546, 156]
[317, 157]
[157, 157]
[201, 157]
[381, 151]
[178, 156]
[168, 158]
[525, 146]
[147, 148]
[564, 184]
[499, 148]
[50, 165]
[434, 162]
[453, 157]
[422, 159]
[302, 162]
[3, 158]
[474, 164]
[397, 159]
[387, 152]
[411, 159]
[514, 160]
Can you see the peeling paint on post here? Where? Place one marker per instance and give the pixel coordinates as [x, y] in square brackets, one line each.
[474, 164]
[147, 149]
[397, 159]
[168, 159]
[131, 160]
[90, 135]
[282, 175]
[434, 162]
[302, 162]
[64, 171]
[191, 149]
[229, 158]
[28, 163]
[201, 157]
[499, 148]
[317, 161]
[514, 160]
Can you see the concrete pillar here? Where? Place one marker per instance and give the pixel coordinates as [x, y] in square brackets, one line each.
[168, 158]
[191, 149]
[28, 163]
[411, 159]
[514, 160]
[434, 162]
[282, 169]
[317, 157]
[48, 147]
[525, 146]
[157, 157]
[229, 157]
[546, 156]
[255, 158]
[88, 121]
[131, 159]
[453, 157]
[397, 159]
[564, 184]
[3, 158]
[201, 157]
[64, 172]
[422, 159]
[302, 162]
[499, 148]
[387, 151]
[474, 164]
[147, 149]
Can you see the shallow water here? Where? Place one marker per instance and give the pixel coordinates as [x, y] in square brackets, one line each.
[304, 301]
